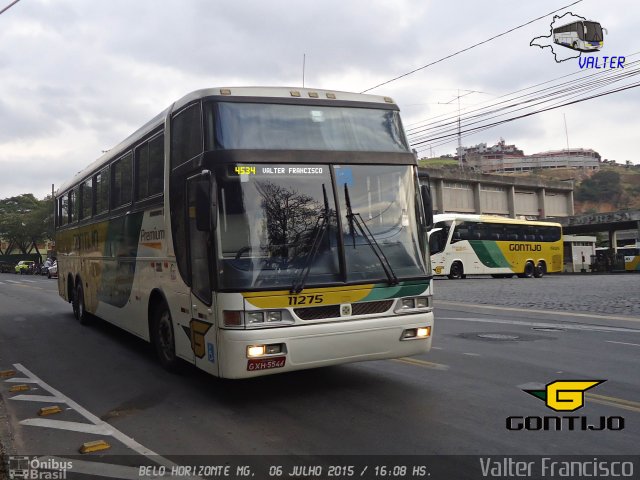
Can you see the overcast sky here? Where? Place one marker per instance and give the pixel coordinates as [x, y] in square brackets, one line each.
[78, 76]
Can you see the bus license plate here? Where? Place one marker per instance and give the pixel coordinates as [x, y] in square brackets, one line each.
[255, 364]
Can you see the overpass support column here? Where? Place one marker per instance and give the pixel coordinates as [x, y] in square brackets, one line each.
[613, 240]
[511, 201]
[476, 198]
[570, 203]
[440, 196]
[542, 203]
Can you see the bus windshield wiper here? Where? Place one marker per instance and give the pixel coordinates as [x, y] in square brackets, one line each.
[320, 228]
[355, 220]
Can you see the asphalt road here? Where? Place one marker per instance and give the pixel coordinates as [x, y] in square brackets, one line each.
[454, 400]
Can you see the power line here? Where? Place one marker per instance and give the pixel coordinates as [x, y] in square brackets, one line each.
[8, 6]
[570, 91]
[484, 127]
[468, 48]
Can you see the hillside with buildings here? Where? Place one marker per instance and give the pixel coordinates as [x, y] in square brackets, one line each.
[599, 185]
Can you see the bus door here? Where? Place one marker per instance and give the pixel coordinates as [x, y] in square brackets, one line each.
[200, 225]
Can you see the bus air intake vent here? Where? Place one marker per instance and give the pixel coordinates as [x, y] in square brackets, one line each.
[333, 311]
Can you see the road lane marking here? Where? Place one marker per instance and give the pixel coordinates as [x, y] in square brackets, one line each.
[621, 401]
[564, 326]
[38, 398]
[470, 354]
[531, 310]
[96, 426]
[615, 404]
[421, 363]
[624, 343]
[70, 426]
[21, 380]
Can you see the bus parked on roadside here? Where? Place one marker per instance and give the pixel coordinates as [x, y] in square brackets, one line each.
[463, 245]
[255, 230]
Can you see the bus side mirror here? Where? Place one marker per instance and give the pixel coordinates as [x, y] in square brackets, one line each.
[425, 193]
[605, 31]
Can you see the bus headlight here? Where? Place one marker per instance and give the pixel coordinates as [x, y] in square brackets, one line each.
[254, 317]
[274, 316]
[414, 304]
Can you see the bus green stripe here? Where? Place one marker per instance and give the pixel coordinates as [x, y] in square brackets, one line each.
[489, 254]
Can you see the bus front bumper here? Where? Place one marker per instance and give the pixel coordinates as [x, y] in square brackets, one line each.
[322, 344]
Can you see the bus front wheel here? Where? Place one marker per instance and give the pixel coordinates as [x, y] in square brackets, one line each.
[457, 271]
[163, 338]
[529, 271]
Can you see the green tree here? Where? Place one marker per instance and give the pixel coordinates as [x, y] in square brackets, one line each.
[24, 221]
[602, 186]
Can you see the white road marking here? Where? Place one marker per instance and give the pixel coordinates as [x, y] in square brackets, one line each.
[30, 281]
[71, 426]
[38, 398]
[531, 310]
[471, 354]
[13, 281]
[563, 326]
[21, 380]
[623, 343]
[96, 425]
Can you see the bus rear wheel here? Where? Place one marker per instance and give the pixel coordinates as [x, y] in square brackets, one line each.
[541, 270]
[163, 339]
[79, 308]
[457, 271]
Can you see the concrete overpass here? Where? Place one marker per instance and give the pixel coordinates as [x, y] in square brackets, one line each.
[611, 222]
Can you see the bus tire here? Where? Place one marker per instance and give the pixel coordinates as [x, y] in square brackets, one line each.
[79, 307]
[163, 339]
[529, 270]
[575, 45]
[457, 271]
[541, 270]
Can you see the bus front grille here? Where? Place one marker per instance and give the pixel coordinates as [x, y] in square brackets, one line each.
[333, 311]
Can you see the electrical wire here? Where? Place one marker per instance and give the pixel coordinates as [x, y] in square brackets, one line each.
[468, 48]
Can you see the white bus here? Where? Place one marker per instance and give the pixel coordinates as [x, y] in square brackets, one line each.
[583, 35]
[463, 245]
[255, 230]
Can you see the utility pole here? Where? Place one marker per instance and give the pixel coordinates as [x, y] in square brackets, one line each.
[468, 92]
[459, 136]
[304, 61]
[566, 134]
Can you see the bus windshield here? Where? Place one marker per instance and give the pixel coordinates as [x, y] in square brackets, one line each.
[593, 32]
[277, 220]
[303, 127]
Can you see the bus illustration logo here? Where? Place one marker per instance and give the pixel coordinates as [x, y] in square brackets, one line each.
[573, 32]
[565, 395]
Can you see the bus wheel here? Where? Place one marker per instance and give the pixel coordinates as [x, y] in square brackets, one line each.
[541, 269]
[79, 310]
[163, 339]
[456, 272]
[575, 45]
[529, 270]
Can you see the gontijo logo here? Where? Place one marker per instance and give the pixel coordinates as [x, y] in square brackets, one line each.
[565, 395]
